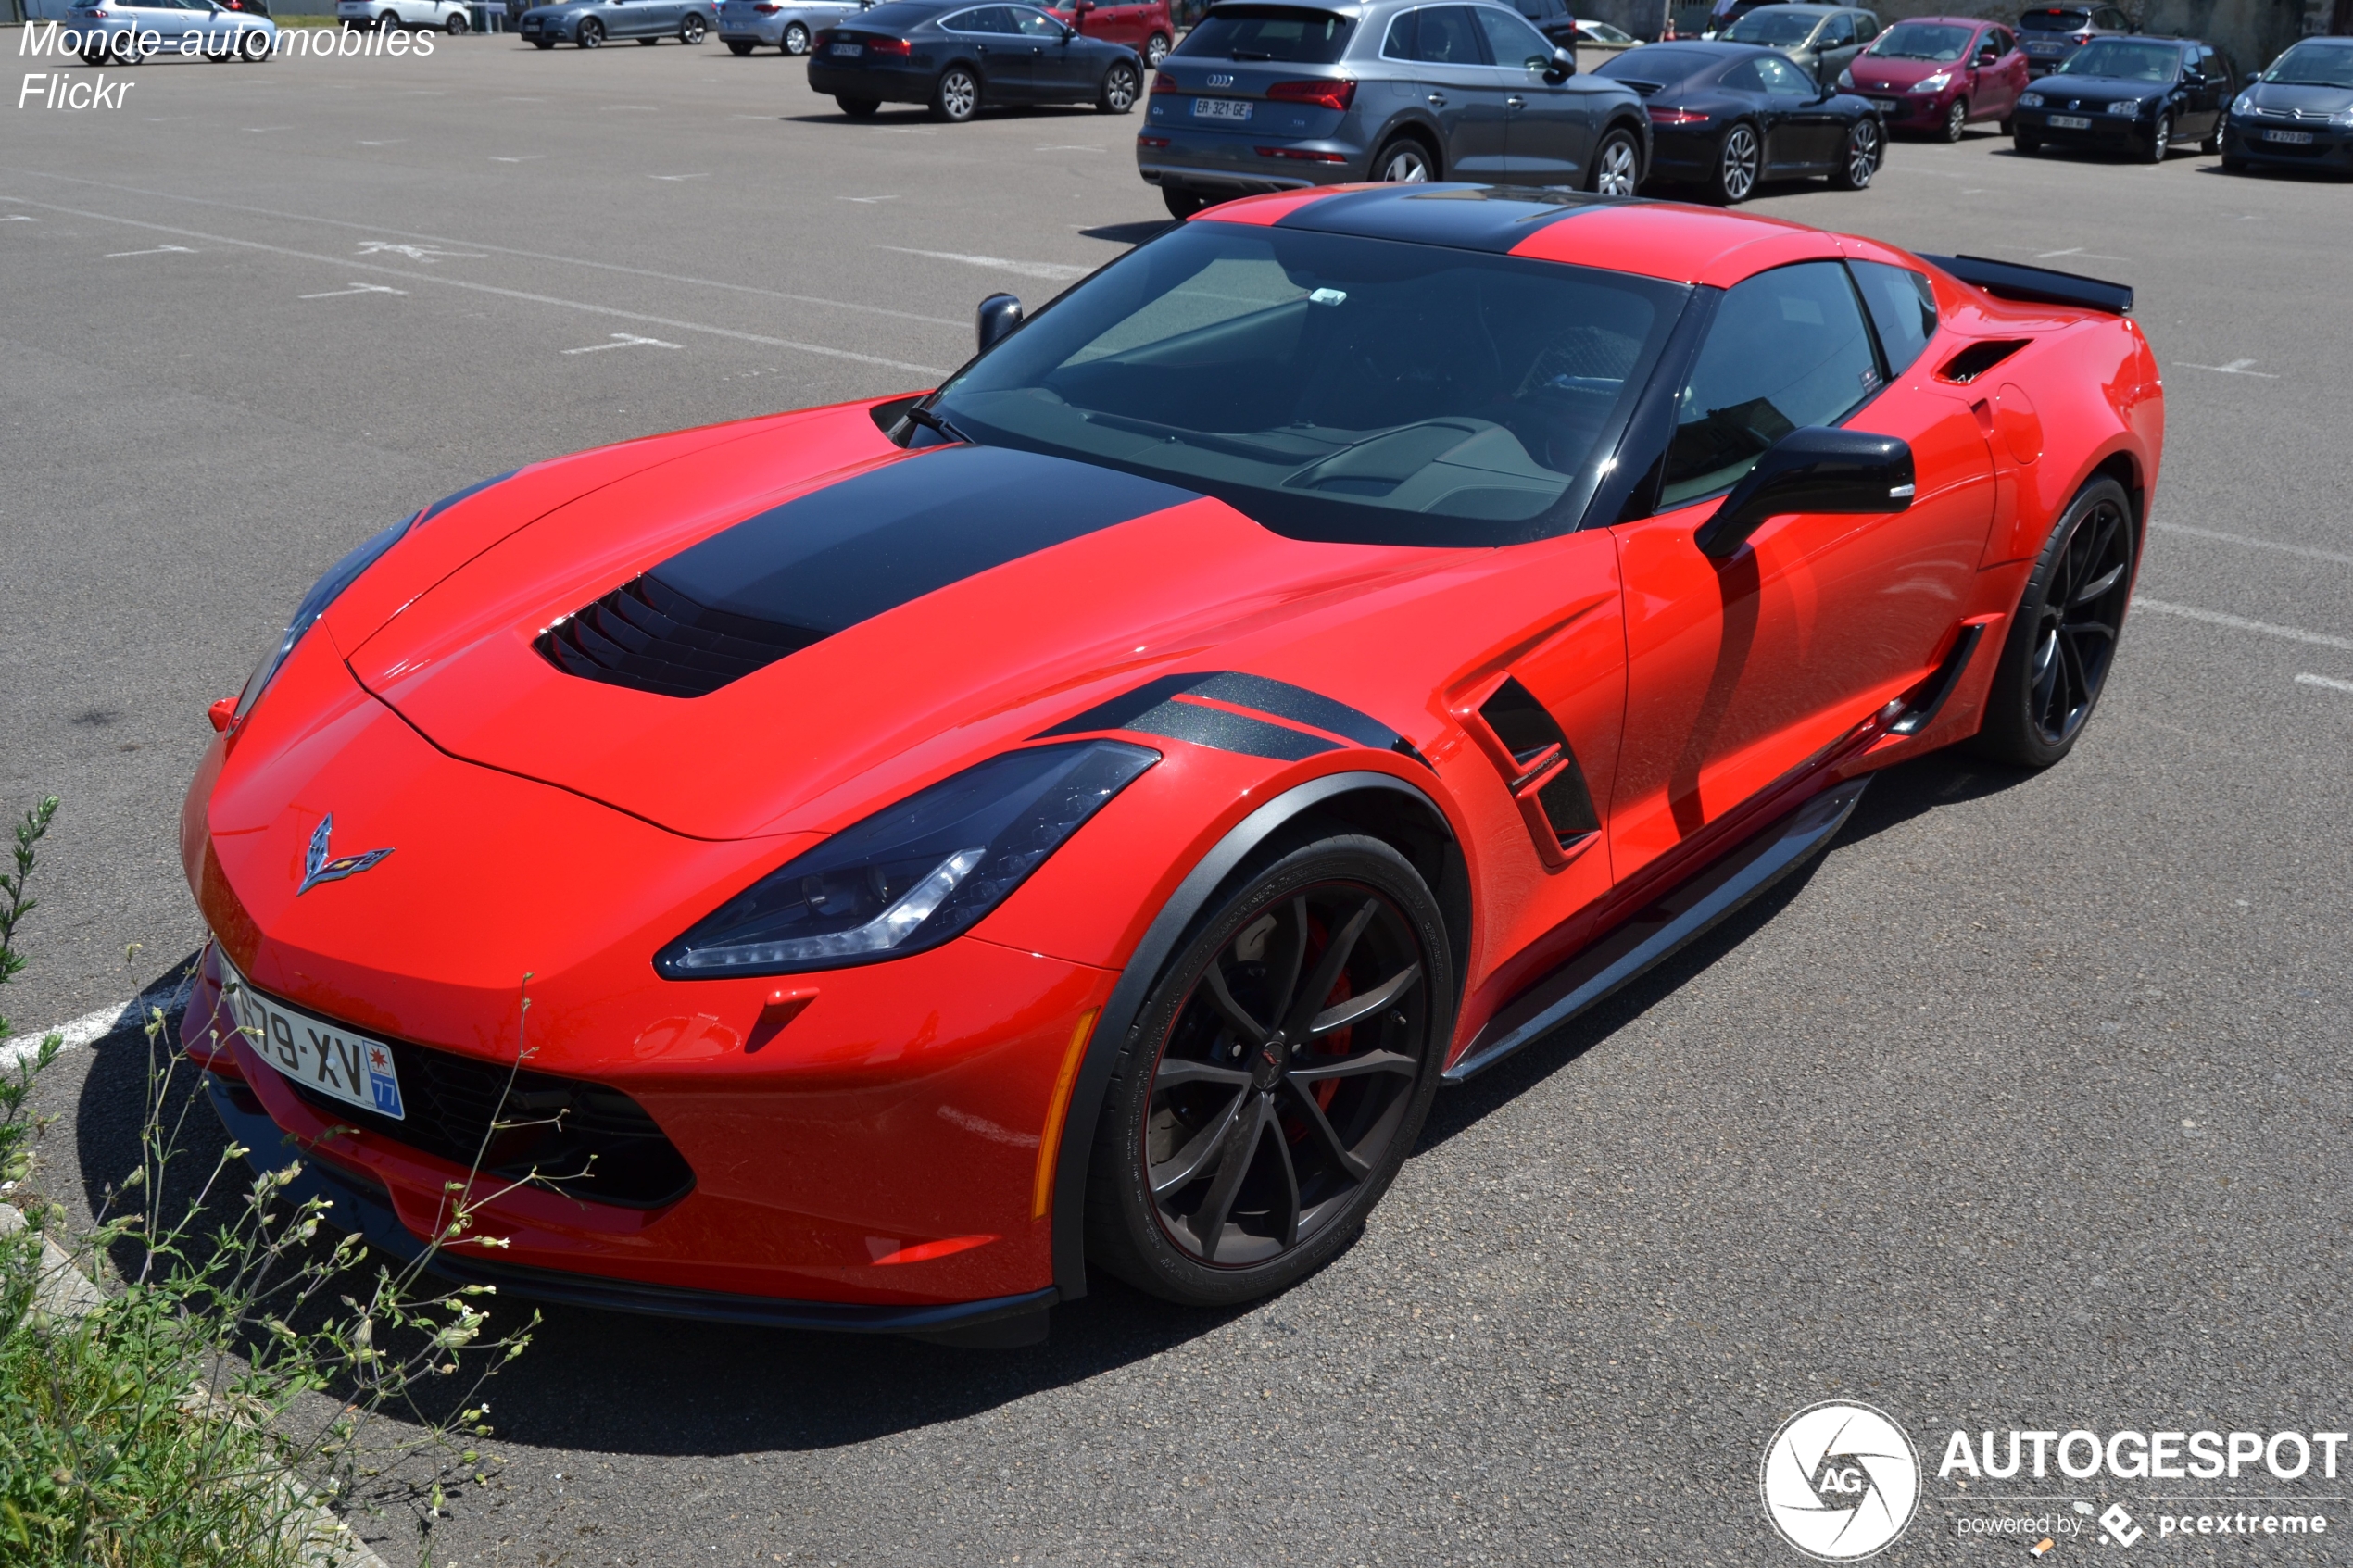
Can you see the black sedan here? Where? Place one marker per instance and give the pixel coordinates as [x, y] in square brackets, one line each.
[956, 58]
[1726, 115]
[2139, 95]
[2298, 114]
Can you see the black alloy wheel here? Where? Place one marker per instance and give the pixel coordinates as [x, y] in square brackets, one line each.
[858, 108]
[1405, 160]
[1738, 159]
[1276, 1079]
[592, 33]
[1123, 84]
[2062, 640]
[2161, 138]
[692, 29]
[1617, 165]
[796, 39]
[956, 96]
[1957, 121]
[456, 24]
[1859, 160]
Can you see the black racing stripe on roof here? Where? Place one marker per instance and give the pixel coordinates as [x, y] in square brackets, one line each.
[1216, 728]
[1462, 217]
[1150, 705]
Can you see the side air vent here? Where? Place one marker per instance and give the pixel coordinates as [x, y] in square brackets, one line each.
[649, 637]
[1527, 747]
[1979, 357]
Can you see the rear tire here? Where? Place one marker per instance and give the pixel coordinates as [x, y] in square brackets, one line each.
[1251, 1123]
[1181, 202]
[796, 39]
[2057, 655]
[1859, 160]
[1617, 165]
[254, 48]
[1406, 160]
[858, 108]
[1739, 160]
[955, 98]
[1123, 84]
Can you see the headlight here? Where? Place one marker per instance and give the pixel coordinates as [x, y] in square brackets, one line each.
[914, 875]
[2345, 118]
[2029, 100]
[342, 575]
[2125, 105]
[1936, 83]
[2242, 104]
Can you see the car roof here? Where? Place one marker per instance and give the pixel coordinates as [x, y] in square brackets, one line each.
[1804, 10]
[1671, 241]
[1948, 22]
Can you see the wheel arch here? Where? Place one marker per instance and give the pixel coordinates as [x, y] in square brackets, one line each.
[1640, 129]
[1379, 805]
[1414, 124]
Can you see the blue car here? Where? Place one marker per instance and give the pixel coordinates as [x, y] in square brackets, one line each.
[589, 23]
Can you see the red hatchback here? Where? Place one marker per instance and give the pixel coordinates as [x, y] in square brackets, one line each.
[1146, 28]
[1939, 73]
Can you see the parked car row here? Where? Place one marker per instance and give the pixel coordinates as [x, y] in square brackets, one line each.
[956, 58]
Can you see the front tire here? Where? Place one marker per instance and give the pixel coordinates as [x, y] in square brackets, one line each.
[956, 96]
[1405, 160]
[2062, 640]
[2026, 143]
[543, 42]
[1122, 86]
[592, 33]
[1859, 160]
[1617, 165]
[1275, 1079]
[796, 39]
[739, 47]
[2161, 138]
[1738, 159]
[692, 29]
[254, 48]
[1957, 121]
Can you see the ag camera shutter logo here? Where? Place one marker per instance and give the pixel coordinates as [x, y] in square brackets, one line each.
[1840, 1481]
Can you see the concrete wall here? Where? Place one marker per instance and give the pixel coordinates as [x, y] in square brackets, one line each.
[2251, 31]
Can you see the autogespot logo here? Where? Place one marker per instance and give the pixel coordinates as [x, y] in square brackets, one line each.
[1840, 1481]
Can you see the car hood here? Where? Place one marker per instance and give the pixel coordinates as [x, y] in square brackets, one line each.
[882, 623]
[2100, 88]
[2311, 100]
[1872, 72]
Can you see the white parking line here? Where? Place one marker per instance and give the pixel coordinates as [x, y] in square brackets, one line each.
[866, 201]
[1056, 270]
[2330, 682]
[2307, 551]
[526, 157]
[159, 250]
[94, 1026]
[416, 253]
[19, 218]
[2079, 250]
[1067, 147]
[623, 340]
[470, 285]
[496, 250]
[2240, 623]
[356, 288]
[2235, 368]
[677, 176]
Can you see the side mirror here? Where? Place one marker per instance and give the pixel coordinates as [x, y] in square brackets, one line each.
[1562, 66]
[1000, 313]
[1812, 470]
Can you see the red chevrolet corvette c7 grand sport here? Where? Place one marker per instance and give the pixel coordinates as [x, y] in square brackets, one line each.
[1079, 817]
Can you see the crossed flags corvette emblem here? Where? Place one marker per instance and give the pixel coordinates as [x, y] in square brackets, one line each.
[317, 865]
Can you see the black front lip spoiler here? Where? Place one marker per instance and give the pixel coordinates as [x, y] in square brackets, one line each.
[358, 1205]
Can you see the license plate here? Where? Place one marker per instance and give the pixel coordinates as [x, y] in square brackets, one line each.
[2069, 122]
[1221, 109]
[1886, 106]
[2293, 138]
[314, 1053]
[847, 49]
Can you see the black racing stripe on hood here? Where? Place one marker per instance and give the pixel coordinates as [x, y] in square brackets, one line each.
[1151, 708]
[822, 562]
[1463, 217]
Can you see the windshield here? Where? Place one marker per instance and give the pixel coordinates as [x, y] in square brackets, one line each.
[2125, 59]
[2055, 21]
[1772, 26]
[1923, 40]
[2313, 64]
[1268, 33]
[1334, 387]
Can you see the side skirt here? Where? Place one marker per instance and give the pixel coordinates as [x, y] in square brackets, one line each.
[1658, 932]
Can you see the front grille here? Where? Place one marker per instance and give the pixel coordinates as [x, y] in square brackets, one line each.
[588, 1140]
[647, 636]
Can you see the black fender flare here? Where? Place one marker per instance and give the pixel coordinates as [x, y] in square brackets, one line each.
[1419, 124]
[1142, 972]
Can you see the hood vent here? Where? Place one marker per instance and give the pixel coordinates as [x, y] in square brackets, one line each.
[653, 638]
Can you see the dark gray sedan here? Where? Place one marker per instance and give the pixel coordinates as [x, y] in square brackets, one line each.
[589, 23]
[1269, 98]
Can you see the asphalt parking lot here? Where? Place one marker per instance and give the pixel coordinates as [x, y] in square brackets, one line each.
[2024, 1108]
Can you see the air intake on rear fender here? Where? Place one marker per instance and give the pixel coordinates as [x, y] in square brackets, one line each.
[647, 636]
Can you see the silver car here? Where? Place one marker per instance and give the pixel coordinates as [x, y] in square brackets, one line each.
[118, 33]
[745, 25]
[1262, 97]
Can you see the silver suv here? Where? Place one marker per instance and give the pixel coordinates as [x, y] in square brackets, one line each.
[1270, 98]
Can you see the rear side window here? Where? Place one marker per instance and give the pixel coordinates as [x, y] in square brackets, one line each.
[1284, 33]
[1903, 307]
[1787, 349]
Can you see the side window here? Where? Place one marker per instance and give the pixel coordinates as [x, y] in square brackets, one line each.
[1512, 41]
[1865, 27]
[1903, 307]
[1787, 349]
[1838, 32]
[2002, 41]
[1784, 79]
[1448, 36]
[1399, 45]
[1744, 78]
[1036, 24]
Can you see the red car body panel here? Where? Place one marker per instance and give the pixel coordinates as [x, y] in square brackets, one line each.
[1121, 22]
[900, 1138]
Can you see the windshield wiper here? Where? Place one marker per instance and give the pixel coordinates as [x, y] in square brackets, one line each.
[1249, 55]
[936, 425]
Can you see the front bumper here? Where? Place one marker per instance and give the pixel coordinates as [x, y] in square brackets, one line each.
[1911, 111]
[2330, 146]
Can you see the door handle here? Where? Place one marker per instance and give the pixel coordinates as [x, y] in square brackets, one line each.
[1438, 100]
[1515, 101]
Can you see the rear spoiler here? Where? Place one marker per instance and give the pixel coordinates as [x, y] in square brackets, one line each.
[2036, 285]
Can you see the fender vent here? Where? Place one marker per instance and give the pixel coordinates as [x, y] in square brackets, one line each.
[1979, 357]
[1521, 738]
